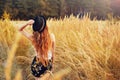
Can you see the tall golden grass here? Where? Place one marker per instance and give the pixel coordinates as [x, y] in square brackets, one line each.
[10, 58]
[90, 48]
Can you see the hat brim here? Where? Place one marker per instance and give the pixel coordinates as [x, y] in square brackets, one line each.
[39, 24]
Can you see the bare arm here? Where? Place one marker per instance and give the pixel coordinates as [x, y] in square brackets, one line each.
[53, 48]
[26, 34]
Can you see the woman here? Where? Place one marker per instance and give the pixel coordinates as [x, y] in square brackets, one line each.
[43, 43]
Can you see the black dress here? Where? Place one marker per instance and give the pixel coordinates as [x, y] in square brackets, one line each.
[37, 68]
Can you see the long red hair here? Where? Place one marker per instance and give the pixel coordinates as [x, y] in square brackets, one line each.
[43, 44]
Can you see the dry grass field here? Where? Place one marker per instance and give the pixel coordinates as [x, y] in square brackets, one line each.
[85, 50]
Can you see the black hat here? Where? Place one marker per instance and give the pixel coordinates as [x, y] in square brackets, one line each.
[39, 24]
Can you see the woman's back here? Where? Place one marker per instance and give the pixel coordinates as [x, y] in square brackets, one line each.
[49, 52]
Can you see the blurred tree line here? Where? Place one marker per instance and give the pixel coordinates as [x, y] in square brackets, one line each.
[25, 9]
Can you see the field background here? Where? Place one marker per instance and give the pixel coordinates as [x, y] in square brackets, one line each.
[85, 49]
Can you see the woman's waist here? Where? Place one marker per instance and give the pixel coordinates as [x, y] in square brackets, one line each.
[48, 57]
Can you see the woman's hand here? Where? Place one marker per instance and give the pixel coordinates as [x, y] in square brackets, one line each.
[30, 22]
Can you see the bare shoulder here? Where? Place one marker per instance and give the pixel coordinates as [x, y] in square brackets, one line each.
[52, 37]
